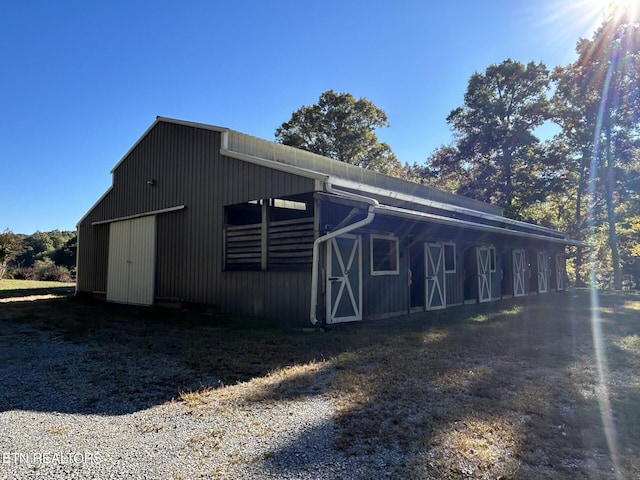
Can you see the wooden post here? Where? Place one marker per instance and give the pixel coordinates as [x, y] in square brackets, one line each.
[264, 241]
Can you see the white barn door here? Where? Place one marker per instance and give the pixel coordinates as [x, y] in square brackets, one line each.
[131, 266]
[484, 274]
[519, 270]
[543, 272]
[344, 279]
[435, 285]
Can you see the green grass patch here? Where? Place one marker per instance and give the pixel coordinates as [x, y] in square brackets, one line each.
[31, 290]
[24, 285]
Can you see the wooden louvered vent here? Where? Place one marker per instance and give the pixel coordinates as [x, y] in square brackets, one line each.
[290, 243]
[283, 240]
[243, 245]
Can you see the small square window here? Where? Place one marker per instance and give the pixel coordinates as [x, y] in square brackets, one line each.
[384, 255]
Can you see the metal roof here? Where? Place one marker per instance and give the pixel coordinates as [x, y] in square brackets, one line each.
[352, 179]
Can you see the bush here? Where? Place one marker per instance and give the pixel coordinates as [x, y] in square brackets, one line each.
[25, 273]
[49, 271]
[57, 274]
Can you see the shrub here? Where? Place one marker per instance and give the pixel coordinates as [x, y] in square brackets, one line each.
[49, 271]
[57, 274]
[25, 273]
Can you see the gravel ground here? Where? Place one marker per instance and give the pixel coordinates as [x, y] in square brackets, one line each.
[62, 417]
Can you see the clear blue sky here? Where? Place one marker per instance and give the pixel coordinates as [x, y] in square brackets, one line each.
[82, 80]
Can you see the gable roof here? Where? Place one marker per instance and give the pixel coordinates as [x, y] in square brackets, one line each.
[421, 201]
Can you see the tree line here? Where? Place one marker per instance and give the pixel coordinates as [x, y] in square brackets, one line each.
[585, 180]
[39, 256]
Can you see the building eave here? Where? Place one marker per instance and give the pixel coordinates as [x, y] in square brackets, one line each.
[454, 222]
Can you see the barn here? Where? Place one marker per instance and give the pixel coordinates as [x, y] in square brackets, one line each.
[207, 215]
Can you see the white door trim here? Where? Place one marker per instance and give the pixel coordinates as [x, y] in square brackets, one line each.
[483, 255]
[435, 278]
[543, 273]
[519, 270]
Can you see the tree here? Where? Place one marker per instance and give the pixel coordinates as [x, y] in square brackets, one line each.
[53, 244]
[575, 110]
[443, 169]
[342, 128]
[10, 247]
[597, 105]
[494, 132]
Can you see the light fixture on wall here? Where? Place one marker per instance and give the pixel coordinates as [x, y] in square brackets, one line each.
[151, 182]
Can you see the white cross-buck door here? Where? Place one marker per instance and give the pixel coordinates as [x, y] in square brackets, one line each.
[519, 270]
[543, 272]
[560, 267]
[131, 264]
[344, 279]
[484, 274]
[435, 286]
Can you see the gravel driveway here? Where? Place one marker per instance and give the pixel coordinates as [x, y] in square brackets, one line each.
[70, 410]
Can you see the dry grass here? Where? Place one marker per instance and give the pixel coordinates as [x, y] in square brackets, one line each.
[59, 430]
[502, 390]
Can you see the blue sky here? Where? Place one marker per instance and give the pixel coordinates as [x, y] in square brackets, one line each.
[81, 81]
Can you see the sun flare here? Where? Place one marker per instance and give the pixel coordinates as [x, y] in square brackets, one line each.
[588, 15]
[619, 8]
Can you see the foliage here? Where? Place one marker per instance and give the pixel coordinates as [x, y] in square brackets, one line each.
[25, 273]
[494, 129]
[443, 170]
[54, 245]
[10, 247]
[49, 271]
[41, 255]
[597, 105]
[342, 128]
[586, 180]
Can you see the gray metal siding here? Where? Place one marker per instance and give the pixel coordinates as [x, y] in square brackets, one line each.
[187, 169]
[455, 292]
[384, 295]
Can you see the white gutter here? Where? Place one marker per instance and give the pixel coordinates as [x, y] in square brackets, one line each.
[346, 229]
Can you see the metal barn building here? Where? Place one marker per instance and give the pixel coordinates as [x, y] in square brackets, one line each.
[204, 214]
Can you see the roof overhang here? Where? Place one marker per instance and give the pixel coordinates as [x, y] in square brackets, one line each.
[454, 222]
[445, 207]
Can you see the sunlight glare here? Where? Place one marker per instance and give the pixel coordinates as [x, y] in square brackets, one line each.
[585, 16]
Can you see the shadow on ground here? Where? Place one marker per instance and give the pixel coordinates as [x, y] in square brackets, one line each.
[506, 390]
[21, 293]
[64, 355]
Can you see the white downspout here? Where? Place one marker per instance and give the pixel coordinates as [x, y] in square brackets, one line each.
[373, 203]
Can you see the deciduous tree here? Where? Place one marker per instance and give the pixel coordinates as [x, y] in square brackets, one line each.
[494, 131]
[341, 127]
[10, 246]
[597, 105]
